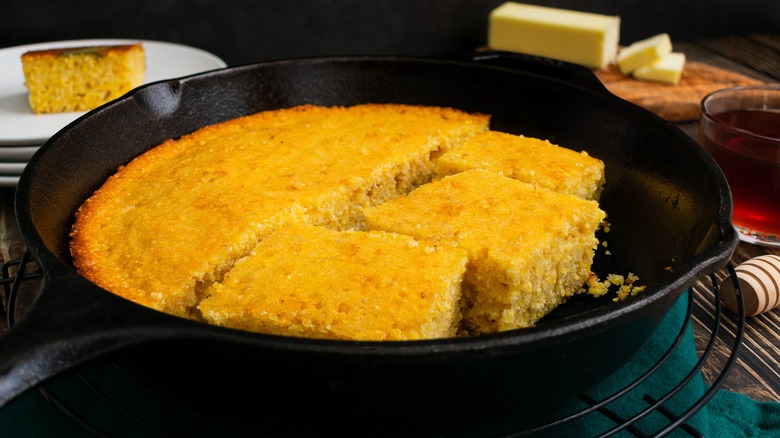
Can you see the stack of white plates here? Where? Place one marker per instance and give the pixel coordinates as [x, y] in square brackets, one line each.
[22, 132]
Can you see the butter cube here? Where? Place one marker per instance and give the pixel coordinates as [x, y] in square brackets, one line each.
[578, 37]
[667, 70]
[644, 52]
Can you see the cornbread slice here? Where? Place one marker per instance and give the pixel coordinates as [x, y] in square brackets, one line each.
[530, 160]
[176, 218]
[529, 248]
[310, 281]
[81, 78]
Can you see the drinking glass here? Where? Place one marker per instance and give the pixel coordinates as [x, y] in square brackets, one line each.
[740, 128]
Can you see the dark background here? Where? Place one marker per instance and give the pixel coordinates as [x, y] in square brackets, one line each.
[244, 31]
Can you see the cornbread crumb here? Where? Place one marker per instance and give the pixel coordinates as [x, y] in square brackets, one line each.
[527, 159]
[628, 288]
[625, 286]
[313, 282]
[81, 78]
[529, 248]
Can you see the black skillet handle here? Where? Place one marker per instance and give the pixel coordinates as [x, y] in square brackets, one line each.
[547, 67]
[70, 322]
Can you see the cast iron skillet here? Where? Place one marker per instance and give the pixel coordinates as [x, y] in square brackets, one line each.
[667, 201]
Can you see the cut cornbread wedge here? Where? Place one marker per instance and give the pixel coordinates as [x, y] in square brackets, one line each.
[176, 218]
[668, 70]
[529, 248]
[527, 159]
[309, 281]
[644, 52]
[578, 37]
[81, 78]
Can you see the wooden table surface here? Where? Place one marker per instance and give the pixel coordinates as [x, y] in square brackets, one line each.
[757, 371]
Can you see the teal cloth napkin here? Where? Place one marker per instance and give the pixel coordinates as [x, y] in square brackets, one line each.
[727, 414]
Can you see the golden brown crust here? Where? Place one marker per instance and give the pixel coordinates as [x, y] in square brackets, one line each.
[93, 50]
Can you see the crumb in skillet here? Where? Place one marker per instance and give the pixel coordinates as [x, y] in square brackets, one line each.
[628, 289]
[625, 286]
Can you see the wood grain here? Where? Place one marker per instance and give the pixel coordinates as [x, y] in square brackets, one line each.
[757, 372]
[676, 103]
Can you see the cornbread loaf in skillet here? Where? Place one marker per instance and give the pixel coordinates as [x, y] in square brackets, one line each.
[529, 248]
[309, 281]
[175, 219]
[81, 78]
[530, 160]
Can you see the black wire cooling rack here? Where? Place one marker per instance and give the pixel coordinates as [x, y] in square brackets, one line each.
[96, 409]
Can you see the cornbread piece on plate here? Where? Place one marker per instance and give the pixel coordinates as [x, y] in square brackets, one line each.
[176, 218]
[310, 281]
[529, 248]
[81, 78]
[530, 160]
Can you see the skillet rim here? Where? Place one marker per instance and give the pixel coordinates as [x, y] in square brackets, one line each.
[562, 331]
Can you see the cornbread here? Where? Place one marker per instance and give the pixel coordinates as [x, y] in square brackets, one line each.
[174, 220]
[529, 248]
[530, 160]
[310, 281]
[81, 78]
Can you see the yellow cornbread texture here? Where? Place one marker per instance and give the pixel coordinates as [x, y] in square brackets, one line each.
[529, 248]
[530, 160]
[314, 282]
[81, 78]
[175, 219]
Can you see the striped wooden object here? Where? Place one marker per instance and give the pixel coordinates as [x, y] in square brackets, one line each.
[759, 279]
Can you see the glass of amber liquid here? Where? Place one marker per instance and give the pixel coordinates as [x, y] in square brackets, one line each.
[740, 128]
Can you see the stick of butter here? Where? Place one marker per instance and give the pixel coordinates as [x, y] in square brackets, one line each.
[644, 52]
[667, 70]
[578, 37]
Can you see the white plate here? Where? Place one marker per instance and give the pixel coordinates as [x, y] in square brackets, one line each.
[20, 126]
[9, 181]
[11, 168]
[17, 153]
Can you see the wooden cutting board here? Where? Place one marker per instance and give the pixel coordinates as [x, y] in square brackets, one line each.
[676, 103]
